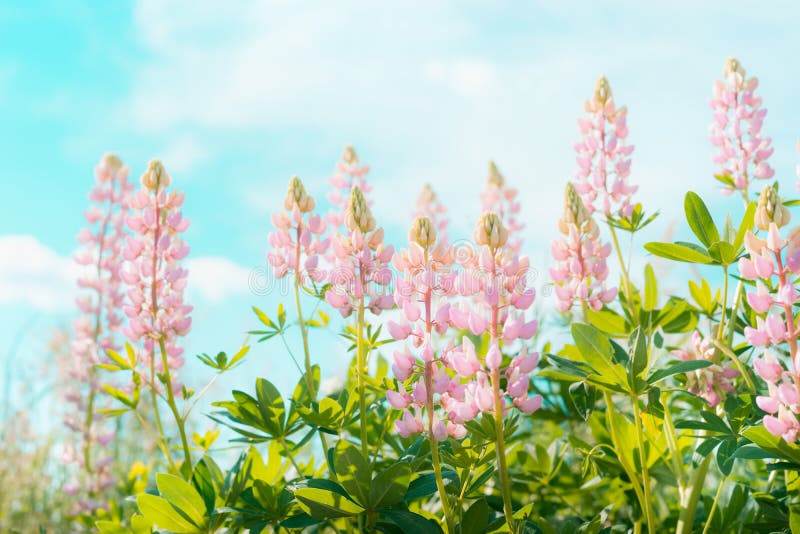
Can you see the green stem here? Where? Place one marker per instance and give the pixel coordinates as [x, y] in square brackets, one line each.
[505, 483]
[437, 467]
[626, 281]
[690, 500]
[714, 506]
[187, 455]
[290, 456]
[360, 364]
[648, 502]
[154, 401]
[626, 466]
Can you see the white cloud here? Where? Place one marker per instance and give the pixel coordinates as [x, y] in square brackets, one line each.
[215, 278]
[183, 154]
[34, 274]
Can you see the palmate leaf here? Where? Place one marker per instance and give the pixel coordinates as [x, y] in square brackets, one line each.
[774, 445]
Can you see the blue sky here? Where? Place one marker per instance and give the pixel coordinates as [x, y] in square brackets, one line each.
[236, 97]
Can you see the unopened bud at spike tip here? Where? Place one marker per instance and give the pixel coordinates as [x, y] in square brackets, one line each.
[771, 209]
[575, 211]
[112, 162]
[602, 91]
[358, 216]
[349, 155]
[490, 231]
[296, 196]
[495, 177]
[422, 232]
[155, 177]
[734, 66]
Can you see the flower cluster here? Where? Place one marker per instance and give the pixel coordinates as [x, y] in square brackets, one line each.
[157, 313]
[349, 173]
[736, 131]
[501, 199]
[603, 157]
[95, 328]
[360, 273]
[710, 383]
[494, 281]
[581, 270]
[428, 205]
[772, 263]
[423, 287]
[297, 241]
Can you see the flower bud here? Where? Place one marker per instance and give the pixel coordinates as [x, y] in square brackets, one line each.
[155, 177]
[602, 91]
[734, 67]
[349, 155]
[495, 178]
[422, 232]
[771, 209]
[296, 196]
[575, 211]
[358, 216]
[427, 196]
[111, 162]
[490, 231]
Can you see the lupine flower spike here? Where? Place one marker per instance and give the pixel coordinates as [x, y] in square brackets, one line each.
[157, 313]
[603, 156]
[349, 173]
[744, 151]
[297, 241]
[501, 199]
[422, 289]
[360, 269]
[773, 263]
[97, 326]
[496, 279]
[429, 205]
[581, 270]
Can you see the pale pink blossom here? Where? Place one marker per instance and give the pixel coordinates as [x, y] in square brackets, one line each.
[603, 156]
[743, 151]
[710, 383]
[155, 305]
[97, 326]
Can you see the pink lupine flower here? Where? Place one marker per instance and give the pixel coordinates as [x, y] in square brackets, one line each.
[495, 279]
[349, 173]
[428, 205]
[97, 326]
[423, 287]
[710, 383]
[743, 150]
[360, 271]
[156, 309]
[580, 271]
[773, 264]
[501, 199]
[297, 241]
[603, 156]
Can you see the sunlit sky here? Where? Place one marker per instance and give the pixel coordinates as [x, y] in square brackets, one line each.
[235, 97]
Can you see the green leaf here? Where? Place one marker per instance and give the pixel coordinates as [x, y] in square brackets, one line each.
[745, 225]
[639, 354]
[162, 515]
[411, 522]
[680, 367]
[608, 321]
[271, 407]
[583, 397]
[773, 444]
[263, 318]
[389, 486]
[650, 288]
[476, 518]
[326, 504]
[353, 471]
[722, 252]
[182, 496]
[678, 252]
[699, 219]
